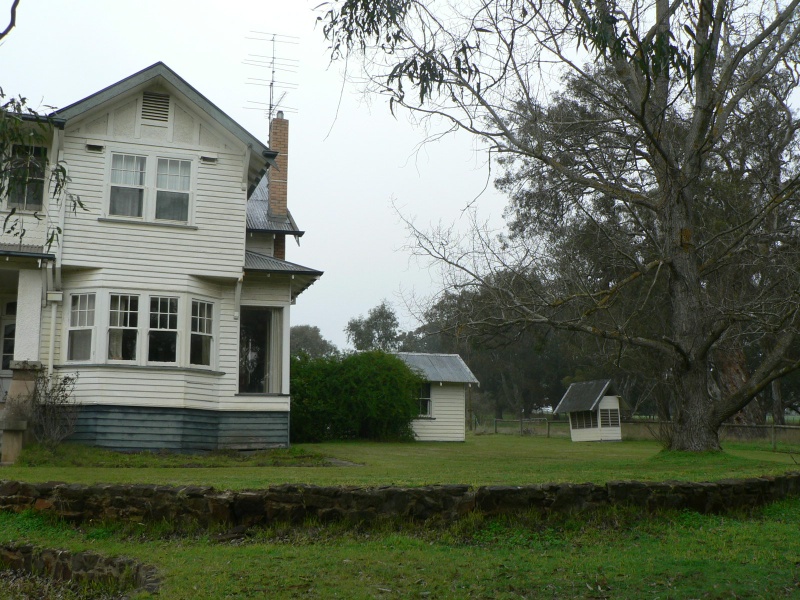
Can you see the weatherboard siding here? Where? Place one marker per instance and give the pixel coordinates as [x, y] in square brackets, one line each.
[143, 428]
[448, 407]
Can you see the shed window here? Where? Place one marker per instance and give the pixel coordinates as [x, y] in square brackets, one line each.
[583, 419]
[609, 417]
[162, 340]
[425, 400]
[26, 177]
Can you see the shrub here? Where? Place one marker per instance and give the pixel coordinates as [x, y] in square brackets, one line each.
[50, 408]
[367, 395]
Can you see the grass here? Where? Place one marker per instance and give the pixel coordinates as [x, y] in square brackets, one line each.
[481, 460]
[615, 553]
[612, 554]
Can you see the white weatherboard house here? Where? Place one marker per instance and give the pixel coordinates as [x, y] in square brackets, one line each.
[443, 404]
[593, 408]
[169, 295]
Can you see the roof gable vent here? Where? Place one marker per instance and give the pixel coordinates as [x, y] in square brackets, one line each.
[155, 107]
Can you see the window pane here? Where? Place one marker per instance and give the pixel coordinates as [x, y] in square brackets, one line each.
[122, 344]
[161, 346]
[126, 202]
[200, 353]
[79, 346]
[172, 205]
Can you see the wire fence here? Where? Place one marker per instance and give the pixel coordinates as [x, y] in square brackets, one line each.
[778, 438]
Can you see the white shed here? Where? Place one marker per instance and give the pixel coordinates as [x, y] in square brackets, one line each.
[593, 408]
[443, 403]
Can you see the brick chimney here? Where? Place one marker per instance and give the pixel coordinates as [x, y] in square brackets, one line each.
[278, 177]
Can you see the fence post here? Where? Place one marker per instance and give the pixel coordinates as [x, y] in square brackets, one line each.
[520, 424]
[548, 428]
[774, 441]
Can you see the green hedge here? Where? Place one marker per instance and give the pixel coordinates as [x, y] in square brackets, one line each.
[368, 395]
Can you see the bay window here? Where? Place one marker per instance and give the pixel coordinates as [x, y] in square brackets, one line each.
[162, 339]
[201, 332]
[81, 326]
[123, 327]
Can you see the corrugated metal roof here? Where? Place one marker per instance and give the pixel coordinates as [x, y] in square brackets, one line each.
[259, 217]
[25, 250]
[585, 395]
[269, 264]
[447, 368]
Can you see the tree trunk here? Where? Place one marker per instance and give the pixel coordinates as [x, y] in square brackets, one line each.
[777, 403]
[695, 427]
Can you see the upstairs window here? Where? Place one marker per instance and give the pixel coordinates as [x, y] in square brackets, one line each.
[81, 325]
[172, 189]
[26, 181]
[127, 185]
[150, 188]
[162, 339]
[123, 323]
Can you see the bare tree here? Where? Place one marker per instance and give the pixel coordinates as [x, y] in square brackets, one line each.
[629, 121]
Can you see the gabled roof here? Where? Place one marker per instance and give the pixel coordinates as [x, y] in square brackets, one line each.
[158, 70]
[259, 217]
[446, 368]
[303, 277]
[585, 395]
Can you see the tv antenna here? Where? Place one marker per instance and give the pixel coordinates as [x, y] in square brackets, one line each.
[275, 64]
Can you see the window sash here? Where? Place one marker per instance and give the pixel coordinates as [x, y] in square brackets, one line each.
[162, 339]
[128, 176]
[81, 326]
[201, 333]
[425, 400]
[123, 323]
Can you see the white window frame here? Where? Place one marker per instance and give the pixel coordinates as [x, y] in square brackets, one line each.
[109, 327]
[179, 358]
[134, 186]
[426, 398]
[207, 322]
[86, 326]
[150, 187]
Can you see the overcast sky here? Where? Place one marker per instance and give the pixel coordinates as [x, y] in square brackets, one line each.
[350, 159]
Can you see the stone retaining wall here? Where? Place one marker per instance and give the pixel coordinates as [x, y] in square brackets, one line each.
[292, 503]
[81, 567]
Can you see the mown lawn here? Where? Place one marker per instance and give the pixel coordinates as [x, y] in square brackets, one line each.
[612, 554]
[481, 460]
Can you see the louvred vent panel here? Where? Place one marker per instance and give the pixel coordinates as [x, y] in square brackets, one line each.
[155, 107]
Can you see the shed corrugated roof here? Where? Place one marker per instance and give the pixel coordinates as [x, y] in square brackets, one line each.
[585, 395]
[447, 368]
